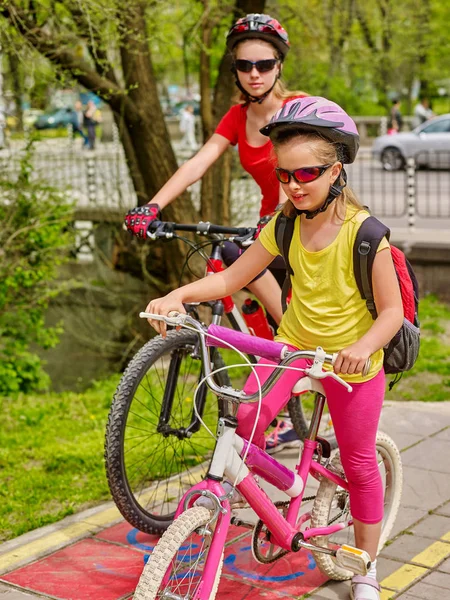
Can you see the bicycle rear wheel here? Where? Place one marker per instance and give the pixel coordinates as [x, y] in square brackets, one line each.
[155, 448]
[175, 567]
[332, 505]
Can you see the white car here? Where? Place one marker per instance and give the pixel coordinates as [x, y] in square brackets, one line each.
[428, 144]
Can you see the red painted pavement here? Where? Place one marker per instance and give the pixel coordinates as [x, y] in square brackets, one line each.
[108, 566]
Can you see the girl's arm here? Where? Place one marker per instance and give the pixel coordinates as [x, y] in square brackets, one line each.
[192, 170]
[212, 287]
[389, 307]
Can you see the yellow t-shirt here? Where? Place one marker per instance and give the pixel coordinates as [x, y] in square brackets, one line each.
[326, 308]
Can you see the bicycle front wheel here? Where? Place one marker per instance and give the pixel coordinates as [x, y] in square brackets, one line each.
[175, 567]
[155, 446]
[332, 505]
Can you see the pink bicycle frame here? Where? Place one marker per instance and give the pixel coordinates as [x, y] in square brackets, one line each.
[284, 530]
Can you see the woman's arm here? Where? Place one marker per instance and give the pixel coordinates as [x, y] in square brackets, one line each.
[212, 287]
[388, 302]
[192, 170]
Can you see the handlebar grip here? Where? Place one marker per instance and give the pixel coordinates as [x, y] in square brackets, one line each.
[245, 342]
[365, 370]
[366, 367]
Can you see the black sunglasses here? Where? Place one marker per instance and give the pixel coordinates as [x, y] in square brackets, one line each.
[262, 66]
[303, 175]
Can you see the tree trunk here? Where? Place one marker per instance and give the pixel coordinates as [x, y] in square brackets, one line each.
[207, 194]
[148, 133]
[17, 89]
[136, 108]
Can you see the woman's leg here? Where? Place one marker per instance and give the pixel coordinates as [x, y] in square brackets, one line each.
[267, 290]
[355, 418]
[272, 403]
[264, 286]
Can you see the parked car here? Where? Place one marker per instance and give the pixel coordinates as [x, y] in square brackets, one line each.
[429, 144]
[30, 116]
[60, 117]
[179, 106]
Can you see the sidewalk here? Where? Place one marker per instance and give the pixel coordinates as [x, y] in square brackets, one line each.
[95, 554]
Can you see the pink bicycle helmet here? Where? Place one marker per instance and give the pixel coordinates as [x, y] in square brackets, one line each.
[261, 27]
[319, 115]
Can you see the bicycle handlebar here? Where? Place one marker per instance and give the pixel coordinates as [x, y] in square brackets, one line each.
[259, 347]
[249, 344]
[166, 229]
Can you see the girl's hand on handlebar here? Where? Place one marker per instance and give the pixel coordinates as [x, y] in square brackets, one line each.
[163, 306]
[352, 359]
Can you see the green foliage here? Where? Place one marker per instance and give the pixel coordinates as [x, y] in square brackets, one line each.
[34, 238]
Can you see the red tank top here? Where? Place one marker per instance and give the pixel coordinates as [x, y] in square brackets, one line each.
[258, 161]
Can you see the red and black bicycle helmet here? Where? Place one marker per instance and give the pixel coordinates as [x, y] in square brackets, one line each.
[261, 27]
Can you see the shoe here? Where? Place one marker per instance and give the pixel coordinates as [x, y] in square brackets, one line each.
[356, 592]
[283, 436]
[237, 501]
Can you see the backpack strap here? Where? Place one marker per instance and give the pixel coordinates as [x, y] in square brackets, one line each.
[368, 238]
[284, 230]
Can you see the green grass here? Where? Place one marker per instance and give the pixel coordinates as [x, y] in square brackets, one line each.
[429, 380]
[51, 456]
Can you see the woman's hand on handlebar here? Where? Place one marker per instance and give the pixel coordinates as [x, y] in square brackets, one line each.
[139, 219]
[352, 359]
[163, 306]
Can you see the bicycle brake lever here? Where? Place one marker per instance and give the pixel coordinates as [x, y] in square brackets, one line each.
[317, 372]
[173, 318]
[333, 375]
[159, 229]
[244, 240]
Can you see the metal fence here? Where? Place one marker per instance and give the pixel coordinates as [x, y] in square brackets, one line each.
[93, 179]
[101, 179]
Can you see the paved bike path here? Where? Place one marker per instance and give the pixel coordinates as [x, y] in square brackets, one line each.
[97, 555]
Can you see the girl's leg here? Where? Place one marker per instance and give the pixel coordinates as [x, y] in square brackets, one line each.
[272, 403]
[355, 418]
[367, 536]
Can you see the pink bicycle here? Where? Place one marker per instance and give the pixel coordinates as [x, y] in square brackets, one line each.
[186, 563]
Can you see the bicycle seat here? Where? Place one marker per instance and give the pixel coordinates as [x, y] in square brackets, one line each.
[307, 384]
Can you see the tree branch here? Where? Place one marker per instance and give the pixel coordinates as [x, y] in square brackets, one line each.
[66, 59]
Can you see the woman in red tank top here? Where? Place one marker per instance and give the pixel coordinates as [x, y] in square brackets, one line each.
[258, 45]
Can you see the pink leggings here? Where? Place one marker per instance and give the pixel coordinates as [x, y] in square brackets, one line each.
[355, 419]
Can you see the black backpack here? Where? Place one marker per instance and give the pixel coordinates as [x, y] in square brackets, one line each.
[402, 351]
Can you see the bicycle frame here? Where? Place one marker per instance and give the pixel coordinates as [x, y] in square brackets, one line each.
[227, 461]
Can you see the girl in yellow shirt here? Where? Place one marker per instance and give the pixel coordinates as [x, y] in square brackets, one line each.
[313, 138]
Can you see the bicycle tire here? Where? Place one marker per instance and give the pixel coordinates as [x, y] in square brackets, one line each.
[173, 548]
[329, 497]
[149, 471]
[301, 422]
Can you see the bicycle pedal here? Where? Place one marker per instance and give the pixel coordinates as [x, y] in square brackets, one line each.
[326, 447]
[353, 559]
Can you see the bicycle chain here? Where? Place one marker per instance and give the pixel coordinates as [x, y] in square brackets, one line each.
[258, 530]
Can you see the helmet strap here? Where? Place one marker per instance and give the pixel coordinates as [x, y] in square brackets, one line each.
[249, 97]
[335, 191]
